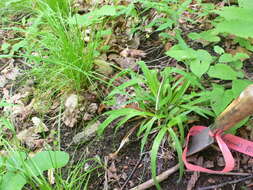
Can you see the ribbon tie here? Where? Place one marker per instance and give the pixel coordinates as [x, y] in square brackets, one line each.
[225, 143]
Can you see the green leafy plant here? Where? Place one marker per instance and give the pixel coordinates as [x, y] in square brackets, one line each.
[20, 168]
[170, 12]
[236, 20]
[164, 105]
[197, 60]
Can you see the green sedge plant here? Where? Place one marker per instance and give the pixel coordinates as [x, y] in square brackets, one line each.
[61, 58]
[165, 105]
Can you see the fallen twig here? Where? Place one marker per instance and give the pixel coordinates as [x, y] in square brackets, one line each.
[225, 183]
[159, 178]
[229, 173]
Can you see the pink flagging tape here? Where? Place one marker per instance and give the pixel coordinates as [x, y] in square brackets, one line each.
[225, 142]
[238, 144]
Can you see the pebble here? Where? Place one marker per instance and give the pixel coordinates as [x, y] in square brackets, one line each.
[220, 162]
[250, 162]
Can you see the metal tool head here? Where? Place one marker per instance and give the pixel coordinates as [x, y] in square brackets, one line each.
[200, 142]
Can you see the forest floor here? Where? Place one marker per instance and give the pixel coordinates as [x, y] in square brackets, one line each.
[70, 118]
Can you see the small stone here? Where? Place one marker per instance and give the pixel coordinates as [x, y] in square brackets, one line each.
[103, 67]
[211, 180]
[221, 162]
[86, 135]
[193, 159]
[124, 176]
[241, 170]
[39, 125]
[87, 117]
[92, 108]
[209, 164]
[71, 102]
[131, 183]
[244, 159]
[250, 162]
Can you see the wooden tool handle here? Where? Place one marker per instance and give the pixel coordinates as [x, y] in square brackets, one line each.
[239, 109]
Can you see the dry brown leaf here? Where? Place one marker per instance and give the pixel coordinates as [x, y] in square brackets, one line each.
[112, 172]
[101, 108]
[10, 72]
[28, 137]
[209, 164]
[239, 49]
[123, 142]
[70, 115]
[51, 178]
[92, 108]
[103, 67]
[39, 125]
[132, 53]
[133, 106]
[31, 136]
[123, 62]
[87, 117]
[3, 81]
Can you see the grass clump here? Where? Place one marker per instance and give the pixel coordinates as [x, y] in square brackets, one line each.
[164, 104]
[61, 57]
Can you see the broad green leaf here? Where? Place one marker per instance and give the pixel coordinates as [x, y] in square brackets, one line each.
[199, 60]
[94, 16]
[165, 25]
[219, 104]
[201, 64]
[247, 4]
[15, 161]
[45, 160]
[34, 166]
[106, 10]
[13, 181]
[237, 21]
[209, 36]
[239, 85]
[241, 56]
[222, 71]
[239, 28]
[218, 50]
[233, 13]
[244, 43]
[199, 68]
[181, 55]
[225, 58]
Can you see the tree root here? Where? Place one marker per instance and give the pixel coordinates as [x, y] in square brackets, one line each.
[159, 178]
